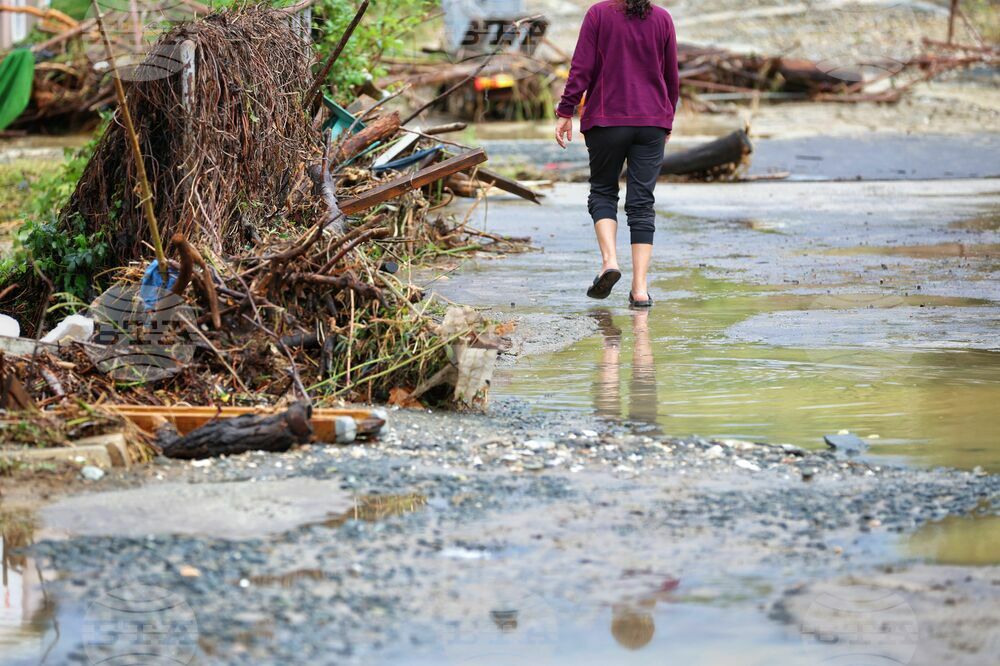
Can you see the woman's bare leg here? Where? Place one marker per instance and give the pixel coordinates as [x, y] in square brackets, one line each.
[607, 231]
[641, 255]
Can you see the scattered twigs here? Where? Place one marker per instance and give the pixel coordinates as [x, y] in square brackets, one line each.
[349, 239]
[284, 254]
[344, 281]
[193, 327]
[189, 258]
[367, 235]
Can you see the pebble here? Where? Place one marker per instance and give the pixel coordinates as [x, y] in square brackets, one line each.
[714, 452]
[746, 464]
[540, 444]
[846, 443]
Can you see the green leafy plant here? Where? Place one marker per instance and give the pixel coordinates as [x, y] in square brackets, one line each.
[380, 33]
[65, 252]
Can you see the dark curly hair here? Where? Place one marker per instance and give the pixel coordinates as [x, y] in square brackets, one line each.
[636, 8]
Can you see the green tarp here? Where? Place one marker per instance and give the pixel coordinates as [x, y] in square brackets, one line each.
[16, 74]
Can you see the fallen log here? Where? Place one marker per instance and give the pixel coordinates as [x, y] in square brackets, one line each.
[249, 432]
[806, 76]
[378, 129]
[731, 149]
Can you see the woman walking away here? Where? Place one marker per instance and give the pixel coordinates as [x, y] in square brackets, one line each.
[626, 63]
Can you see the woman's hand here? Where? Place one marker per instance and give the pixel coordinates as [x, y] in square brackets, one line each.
[564, 131]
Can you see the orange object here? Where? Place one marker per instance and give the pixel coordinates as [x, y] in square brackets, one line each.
[495, 82]
[186, 419]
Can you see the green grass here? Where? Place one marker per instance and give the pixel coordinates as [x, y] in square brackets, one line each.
[18, 181]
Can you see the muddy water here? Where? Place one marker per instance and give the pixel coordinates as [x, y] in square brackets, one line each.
[784, 312]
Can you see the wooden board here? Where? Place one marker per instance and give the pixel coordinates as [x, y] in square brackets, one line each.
[403, 184]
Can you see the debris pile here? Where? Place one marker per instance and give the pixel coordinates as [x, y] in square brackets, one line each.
[723, 74]
[71, 85]
[286, 231]
[500, 67]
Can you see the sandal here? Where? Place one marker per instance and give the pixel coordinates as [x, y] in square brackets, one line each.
[604, 283]
[632, 303]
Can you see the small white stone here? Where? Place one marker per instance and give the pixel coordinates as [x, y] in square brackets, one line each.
[540, 444]
[91, 473]
[746, 464]
[737, 444]
[589, 433]
[714, 452]
[206, 462]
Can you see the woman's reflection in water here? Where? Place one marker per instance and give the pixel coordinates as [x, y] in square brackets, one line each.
[642, 387]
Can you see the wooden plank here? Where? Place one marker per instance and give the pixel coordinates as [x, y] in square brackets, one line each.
[488, 177]
[403, 184]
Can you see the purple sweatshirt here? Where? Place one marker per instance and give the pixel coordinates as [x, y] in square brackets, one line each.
[628, 68]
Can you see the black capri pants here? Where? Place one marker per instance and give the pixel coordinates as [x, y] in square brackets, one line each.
[609, 148]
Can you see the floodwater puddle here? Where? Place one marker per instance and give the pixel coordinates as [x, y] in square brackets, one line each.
[37, 627]
[774, 337]
[667, 625]
[373, 508]
[961, 540]
[723, 360]
[26, 612]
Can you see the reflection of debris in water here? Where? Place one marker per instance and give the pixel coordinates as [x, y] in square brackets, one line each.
[288, 579]
[371, 508]
[506, 620]
[25, 611]
[632, 624]
[972, 540]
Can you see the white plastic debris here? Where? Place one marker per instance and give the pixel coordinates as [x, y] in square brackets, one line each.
[9, 328]
[91, 473]
[73, 327]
